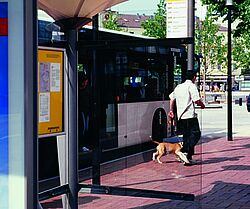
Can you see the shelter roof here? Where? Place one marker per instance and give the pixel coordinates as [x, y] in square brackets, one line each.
[81, 11]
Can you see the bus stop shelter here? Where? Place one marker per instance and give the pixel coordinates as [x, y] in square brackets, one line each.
[70, 15]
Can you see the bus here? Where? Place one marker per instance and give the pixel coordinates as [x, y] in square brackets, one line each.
[135, 80]
[134, 75]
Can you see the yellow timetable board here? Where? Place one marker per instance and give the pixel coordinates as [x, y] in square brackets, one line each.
[50, 91]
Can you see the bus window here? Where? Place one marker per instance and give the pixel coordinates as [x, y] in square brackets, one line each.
[142, 79]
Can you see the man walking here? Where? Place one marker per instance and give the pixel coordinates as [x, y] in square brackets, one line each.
[185, 96]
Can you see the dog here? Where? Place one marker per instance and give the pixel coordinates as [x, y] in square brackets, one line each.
[166, 148]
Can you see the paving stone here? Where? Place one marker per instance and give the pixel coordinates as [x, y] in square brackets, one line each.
[221, 182]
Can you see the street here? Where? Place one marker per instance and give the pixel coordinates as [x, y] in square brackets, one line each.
[213, 121]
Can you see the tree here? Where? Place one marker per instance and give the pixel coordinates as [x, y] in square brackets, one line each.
[241, 53]
[241, 13]
[156, 26]
[111, 21]
[210, 44]
[241, 40]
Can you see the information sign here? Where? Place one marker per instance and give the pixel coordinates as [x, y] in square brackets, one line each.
[50, 91]
[177, 18]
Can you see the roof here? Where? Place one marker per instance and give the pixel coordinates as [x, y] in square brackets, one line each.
[119, 32]
[79, 11]
[222, 28]
[132, 21]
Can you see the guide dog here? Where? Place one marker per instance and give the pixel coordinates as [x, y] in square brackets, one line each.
[166, 148]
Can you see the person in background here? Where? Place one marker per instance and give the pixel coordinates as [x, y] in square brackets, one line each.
[84, 112]
[185, 96]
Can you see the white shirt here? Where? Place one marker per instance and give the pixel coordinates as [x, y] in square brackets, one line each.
[185, 95]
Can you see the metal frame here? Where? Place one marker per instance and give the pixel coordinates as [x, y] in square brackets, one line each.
[116, 191]
[96, 188]
[229, 74]
[72, 118]
[30, 105]
[190, 56]
[131, 192]
[64, 105]
[170, 42]
[54, 192]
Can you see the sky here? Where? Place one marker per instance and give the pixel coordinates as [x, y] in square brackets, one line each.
[147, 7]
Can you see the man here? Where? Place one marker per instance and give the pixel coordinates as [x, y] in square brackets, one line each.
[84, 111]
[185, 96]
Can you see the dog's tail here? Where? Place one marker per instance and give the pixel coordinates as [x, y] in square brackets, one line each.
[153, 140]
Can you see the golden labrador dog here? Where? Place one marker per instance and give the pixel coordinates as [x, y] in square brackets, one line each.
[167, 148]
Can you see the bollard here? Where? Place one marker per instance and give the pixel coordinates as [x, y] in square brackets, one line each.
[240, 101]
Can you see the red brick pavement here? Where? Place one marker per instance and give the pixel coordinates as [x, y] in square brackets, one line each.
[221, 181]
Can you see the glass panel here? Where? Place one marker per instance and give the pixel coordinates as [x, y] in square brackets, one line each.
[134, 86]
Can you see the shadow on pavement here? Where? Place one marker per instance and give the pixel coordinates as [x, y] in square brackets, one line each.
[57, 203]
[221, 159]
[222, 195]
[211, 137]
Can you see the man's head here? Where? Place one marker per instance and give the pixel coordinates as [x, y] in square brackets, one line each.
[191, 75]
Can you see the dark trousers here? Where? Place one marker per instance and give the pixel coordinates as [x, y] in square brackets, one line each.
[191, 135]
[83, 129]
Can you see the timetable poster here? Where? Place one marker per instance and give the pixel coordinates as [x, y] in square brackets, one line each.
[50, 91]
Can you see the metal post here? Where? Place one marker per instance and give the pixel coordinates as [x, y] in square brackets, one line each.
[190, 53]
[229, 74]
[73, 118]
[30, 105]
[204, 85]
[95, 111]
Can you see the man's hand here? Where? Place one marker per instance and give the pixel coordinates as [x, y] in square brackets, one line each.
[202, 106]
[171, 114]
[200, 103]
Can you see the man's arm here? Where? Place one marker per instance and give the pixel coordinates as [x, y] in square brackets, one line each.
[200, 103]
[196, 97]
[171, 111]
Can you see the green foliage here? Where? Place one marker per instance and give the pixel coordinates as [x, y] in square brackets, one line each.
[241, 12]
[209, 43]
[241, 53]
[177, 70]
[80, 67]
[111, 21]
[241, 41]
[156, 26]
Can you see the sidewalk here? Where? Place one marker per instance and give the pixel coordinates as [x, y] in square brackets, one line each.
[221, 181]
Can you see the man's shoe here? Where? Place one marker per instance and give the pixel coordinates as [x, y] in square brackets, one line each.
[183, 157]
[191, 162]
[188, 164]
